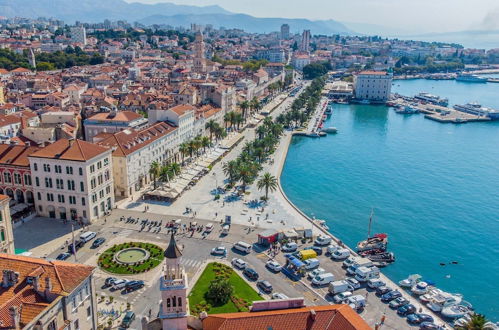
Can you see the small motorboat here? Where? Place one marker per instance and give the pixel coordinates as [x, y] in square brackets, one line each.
[429, 295]
[455, 311]
[420, 288]
[410, 281]
[330, 130]
[380, 264]
[461, 322]
[382, 257]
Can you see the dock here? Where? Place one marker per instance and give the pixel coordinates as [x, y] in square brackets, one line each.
[314, 125]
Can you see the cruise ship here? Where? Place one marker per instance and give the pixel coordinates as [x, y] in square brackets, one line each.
[477, 109]
[433, 99]
[467, 77]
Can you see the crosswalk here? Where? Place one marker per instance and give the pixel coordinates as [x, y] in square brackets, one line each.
[124, 232]
[191, 263]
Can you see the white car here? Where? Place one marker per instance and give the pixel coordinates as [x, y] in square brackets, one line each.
[219, 251]
[341, 297]
[316, 272]
[119, 284]
[239, 263]
[353, 283]
[273, 265]
[290, 247]
[279, 295]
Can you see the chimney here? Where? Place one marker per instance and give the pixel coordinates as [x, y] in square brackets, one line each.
[6, 279]
[48, 286]
[313, 314]
[15, 317]
[36, 283]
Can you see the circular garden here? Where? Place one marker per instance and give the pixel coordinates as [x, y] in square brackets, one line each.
[131, 258]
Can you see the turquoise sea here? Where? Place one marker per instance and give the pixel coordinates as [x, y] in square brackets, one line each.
[434, 188]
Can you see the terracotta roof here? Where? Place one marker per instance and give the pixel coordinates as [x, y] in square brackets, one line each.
[9, 120]
[64, 278]
[129, 141]
[76, 150]
[182, 108]
[2, 197]
[15, 155]
[327, 317]
[121, 116]
[377, 73]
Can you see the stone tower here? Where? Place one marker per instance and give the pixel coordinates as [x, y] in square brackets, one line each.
[199, 60]
[173, 286]
[31, 58]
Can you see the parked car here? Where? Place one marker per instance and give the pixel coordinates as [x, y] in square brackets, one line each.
[63, 256]
[119, 284]
[340, 297]
[279, 295]
[239, 263]
[290, 247]
[265, 286]
[311, 263]
[98, 242]
[418, 318]
[406, 309]
[128, 319]
[353, 283]
[375, 283]
[134, 285]
[390, 296]
[382, 290]
[430, 326]
[251, 273]
[316, 272]
[317, 249]
[109, 281]
[273, 265]
[400, 301]
[323, 240]
[219, 251]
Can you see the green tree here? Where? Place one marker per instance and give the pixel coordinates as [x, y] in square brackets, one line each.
[211, 126]
[267, 182]
[219, 291]
[476, 322]
[154, 170]
[230, 169]
[45, 66]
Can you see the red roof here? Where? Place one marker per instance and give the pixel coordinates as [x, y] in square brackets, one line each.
[76, 150]
[377, 73]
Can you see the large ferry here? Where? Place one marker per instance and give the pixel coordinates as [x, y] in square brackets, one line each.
[467, 77]
[433, 99]
[478, 110]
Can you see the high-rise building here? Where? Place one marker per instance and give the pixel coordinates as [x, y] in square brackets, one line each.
[199, 60]
[305, 41]
[285, 31]
[78, 35]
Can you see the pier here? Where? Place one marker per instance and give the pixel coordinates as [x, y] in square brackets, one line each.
[314, 125]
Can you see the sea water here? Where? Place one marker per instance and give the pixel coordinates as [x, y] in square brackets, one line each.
[434, 188]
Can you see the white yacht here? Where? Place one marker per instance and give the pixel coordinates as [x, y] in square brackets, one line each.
[455, 311]
[467, 77]
[410, 281]
[430, 294]
[477, 109]
[420, 288]
[440, 301]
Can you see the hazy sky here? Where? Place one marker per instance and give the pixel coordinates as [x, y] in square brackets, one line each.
[408, 15]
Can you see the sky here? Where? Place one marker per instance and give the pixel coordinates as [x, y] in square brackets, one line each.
[411, 16]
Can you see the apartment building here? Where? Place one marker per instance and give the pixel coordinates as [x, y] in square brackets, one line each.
[6, 233]
[112, 122]
[182, 116]
[41, 294]
[72, 180]
[373, 86]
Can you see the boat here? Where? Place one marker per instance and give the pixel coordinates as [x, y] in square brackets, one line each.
[406, 110]
[380, 264]
[382, 257]
[420, 288]
[455, 311]
[365, 102]
[376, 242]
[429, 295]
[477, 109]
[330, 130]
[410, 281]
[321, 223]
[462, 321]
[468, 77]
[442, 300]
[433, 99]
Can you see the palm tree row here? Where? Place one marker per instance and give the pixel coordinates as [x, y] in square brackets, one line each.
[194, 146]
[233, 120]
[163, 172]
[215, 130]
[250, 106]
[245, 168]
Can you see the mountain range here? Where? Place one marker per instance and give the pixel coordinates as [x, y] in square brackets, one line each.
[160, 13]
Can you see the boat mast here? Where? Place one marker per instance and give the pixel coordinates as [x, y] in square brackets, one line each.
[370, 221]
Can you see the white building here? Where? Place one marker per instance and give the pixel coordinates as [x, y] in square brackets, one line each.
[135, 151]
[285, 31]
[305, 41]
[300, 61]
[182, 116]
[72, 180]
[112, 122]
[6, 233]
[373, 86]
[78, 35]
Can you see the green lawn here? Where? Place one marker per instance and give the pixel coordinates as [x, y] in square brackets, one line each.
[107, 262]
[241, 291]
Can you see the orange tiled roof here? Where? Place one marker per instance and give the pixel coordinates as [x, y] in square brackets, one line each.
[182, 109]
[377, 73]
[327, 317]
[76, 150]
[15, 155]
[121, 116]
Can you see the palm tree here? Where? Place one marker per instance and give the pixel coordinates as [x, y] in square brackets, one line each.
[205, 142]
[175, 169]
[476, 322]
[211, 126]
[154, 170]
[165, 173]
[238, 119]
[246, 172]
[244, 106]
[227, 119]
[230, 169]
[260, 131]
[255, 104]
[267, 182]
[220, 133]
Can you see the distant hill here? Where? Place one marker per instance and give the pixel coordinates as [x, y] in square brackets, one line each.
[250, 23]
[97, 10]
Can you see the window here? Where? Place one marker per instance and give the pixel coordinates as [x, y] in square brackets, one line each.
[58, 169]
[106, 175]
[101, 194]
[99, 165]
[76, 323]
[27, 179]
[94, 198]
[60, 198]
[35, 166]
[48, 182]
[100, 179]
[89, 312]
[39, 196]
[82, 186]
[72, 200]
[83, 201]
[50, 197]
[108, 189]
[46, 167]
[17, 178]
[92, 168]
[71, 185]
[93, 183]
[69, 170]
[2, 235]
[6, 177]
[80, 171]
[59, 183]
[37, 181]
[106, 161]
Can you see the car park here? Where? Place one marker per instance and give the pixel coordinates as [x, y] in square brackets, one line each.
[353, 283]
[279, 295]
[239, 263]
[316, 272]
[391, 295]
[63, 256]
[128, 319]
[406, 309]
[273, 265]
[341, 297]
[418, 318]
[382, 290]
[98, 242]
[290, 247]
[400, 301]
[265, 286]
[219, 251]
[250, 273]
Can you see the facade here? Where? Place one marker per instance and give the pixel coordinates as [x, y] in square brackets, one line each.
[15, 173]
[373, 86]
[72, 179]
[300, 61]
[112, 122]
[182, 116]
[173, 285]
[285, 31]
[78, 35]
[305, 41]
[135, 151]
[39, 294]
[6, 233]
[273, 55]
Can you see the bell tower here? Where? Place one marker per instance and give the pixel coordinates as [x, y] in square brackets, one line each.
[173, 286]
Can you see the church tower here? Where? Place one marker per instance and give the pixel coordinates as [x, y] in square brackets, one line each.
[199, 60]
[173, 286]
